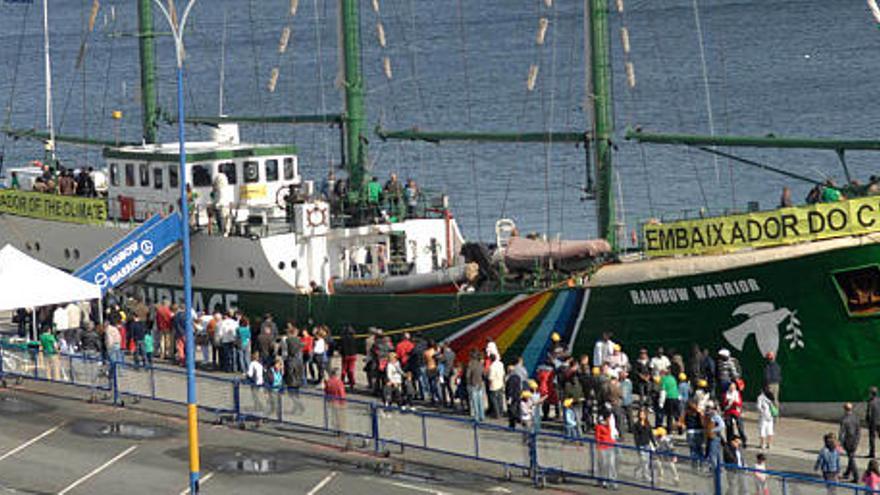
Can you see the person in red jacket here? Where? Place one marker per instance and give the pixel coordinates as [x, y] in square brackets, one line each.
[404, 347]
[605, 439]
[334, 393]
[732, 404]
[545, 377]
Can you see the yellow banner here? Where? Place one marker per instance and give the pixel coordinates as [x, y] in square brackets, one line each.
[763, 229]
[253, 191]
[53, 207]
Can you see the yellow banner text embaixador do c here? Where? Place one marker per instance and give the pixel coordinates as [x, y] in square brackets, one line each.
[53, 207]
[763, 229]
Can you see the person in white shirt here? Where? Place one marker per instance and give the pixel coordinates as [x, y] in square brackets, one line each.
[59, 319]
[74, 316]
[255, 375]
[603, 349]
[492, 349]
[394, 377]
[319, 354]
[765, 418]
[496, 386]
[227, 333]
[660, 362]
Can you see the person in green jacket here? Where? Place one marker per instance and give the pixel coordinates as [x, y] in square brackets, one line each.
[49, 346]
[669, 399]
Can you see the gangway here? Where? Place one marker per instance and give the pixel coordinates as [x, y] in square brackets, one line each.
[156, 239]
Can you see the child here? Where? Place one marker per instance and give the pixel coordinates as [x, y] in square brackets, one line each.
[765, 419]
[871, 478]
[761, 485]
[409, 391]
[701, 396]
[571, 426]
[684, 392]
[666, 453]
[148, 349]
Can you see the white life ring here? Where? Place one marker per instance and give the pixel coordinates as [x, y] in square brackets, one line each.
[316, 217]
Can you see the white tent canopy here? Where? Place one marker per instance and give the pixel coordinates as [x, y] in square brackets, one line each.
[28, 283]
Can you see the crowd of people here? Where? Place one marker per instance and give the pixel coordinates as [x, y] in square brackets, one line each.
[60, 180]
[655, 398]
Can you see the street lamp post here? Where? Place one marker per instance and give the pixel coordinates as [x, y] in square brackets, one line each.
[177, 31]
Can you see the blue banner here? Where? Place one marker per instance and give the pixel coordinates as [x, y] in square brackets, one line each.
[132, 254]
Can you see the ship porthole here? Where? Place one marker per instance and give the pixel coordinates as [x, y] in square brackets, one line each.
[240, 272]
[251, 273]
[75, 253]
[27, 246]
[293, 264]
[281, 265]
[67, 253]
[37, 246]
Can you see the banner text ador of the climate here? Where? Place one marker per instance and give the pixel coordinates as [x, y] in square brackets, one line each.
[763, 229]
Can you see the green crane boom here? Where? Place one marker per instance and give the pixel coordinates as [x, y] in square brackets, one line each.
[149, 107]
[485, 137]
[354, 118]
[603, 118]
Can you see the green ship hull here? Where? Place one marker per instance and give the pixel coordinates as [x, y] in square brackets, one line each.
[791, 300]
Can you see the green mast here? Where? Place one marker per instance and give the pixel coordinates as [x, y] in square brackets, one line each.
[603, 116]
[355, 145]
[149, 111]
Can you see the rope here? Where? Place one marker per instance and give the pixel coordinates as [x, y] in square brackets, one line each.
[467, 83]
[9, 107]
[256, 55]
[429, 326]
[646, 175]
[705, 71]
[548, 123]
[319, 62]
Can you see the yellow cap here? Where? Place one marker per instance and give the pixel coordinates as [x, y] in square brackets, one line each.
[526, 394]
[555, 337]
[568, 402]
[656, 378]
[596, 371]
[660, 431]
[702, 383]
[116, 114]
[617, 347]
[682, 377]
[533, 384]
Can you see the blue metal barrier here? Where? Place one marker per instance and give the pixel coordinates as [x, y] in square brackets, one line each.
[541, 454]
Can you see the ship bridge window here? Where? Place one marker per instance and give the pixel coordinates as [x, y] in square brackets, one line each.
[228, 169]
[860, 290]
[251, 172]
[172, 176]
[157, 178]
[289, 171]
[201, 176]
[144, 174]
[271, 170]
[114, 174]
[129, 174]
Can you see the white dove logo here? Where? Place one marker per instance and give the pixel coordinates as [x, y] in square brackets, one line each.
[763, 321]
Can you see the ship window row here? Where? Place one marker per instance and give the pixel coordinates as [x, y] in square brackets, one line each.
[143, 175]
[248, 173]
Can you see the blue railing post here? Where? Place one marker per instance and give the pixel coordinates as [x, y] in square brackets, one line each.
[35, 358]
[476, 440]
[424, 433]
[114, 381]
[326, 415]
[533, 455]
[784, 486]
[593, 459]
[236, 399]
[152, 382]
[374, 416]
[717, 469]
